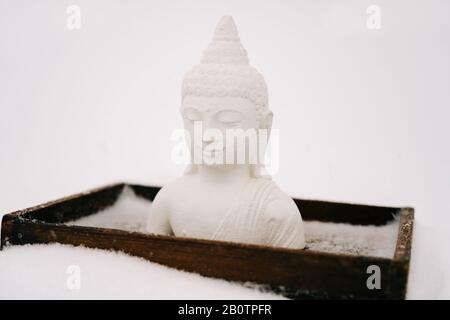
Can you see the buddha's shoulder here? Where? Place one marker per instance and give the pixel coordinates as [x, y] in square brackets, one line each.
[278, 205]
[174, 189]
[273, 191]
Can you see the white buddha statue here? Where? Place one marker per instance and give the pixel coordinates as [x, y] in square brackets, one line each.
[228, 200]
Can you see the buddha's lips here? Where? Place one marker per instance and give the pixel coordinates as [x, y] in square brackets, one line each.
[209, 151]
[214, 151]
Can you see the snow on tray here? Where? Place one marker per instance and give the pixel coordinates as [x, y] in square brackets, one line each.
[130, 213]
[376, 241]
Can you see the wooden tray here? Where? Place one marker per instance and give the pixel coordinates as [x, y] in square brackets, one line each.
[294, 273]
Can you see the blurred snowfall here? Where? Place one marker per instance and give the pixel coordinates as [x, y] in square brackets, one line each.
[363, 114]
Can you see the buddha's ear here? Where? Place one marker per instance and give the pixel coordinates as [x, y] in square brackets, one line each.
[266, 120]
[265, 124]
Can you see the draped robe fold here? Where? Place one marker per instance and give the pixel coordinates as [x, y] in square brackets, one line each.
[246, 222]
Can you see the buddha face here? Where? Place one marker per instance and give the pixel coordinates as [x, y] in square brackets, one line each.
[211, 123]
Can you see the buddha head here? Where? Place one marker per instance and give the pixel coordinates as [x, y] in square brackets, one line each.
[225, 96]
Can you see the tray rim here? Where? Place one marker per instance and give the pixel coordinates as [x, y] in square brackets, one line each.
[402, 248]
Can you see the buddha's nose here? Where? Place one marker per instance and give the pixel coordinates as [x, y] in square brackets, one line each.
[207, 139]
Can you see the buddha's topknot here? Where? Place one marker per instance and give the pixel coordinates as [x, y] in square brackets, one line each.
[225, 70]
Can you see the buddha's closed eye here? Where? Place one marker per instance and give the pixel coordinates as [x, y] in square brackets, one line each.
[192, 115]
[229, 117]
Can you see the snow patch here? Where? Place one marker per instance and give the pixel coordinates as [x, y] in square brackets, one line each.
[40, 272]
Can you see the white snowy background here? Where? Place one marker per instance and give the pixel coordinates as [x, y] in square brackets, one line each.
[363, 117]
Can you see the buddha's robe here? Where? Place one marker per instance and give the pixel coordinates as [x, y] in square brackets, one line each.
[263, 215]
